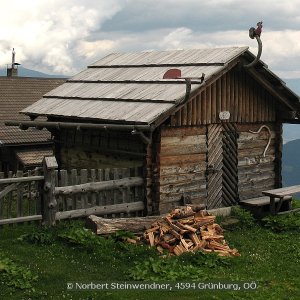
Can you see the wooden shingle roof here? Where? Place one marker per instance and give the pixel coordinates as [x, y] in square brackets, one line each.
[33, 156]
[16, 93]
[129, 88]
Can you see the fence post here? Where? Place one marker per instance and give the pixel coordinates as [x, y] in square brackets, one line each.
[49, 201]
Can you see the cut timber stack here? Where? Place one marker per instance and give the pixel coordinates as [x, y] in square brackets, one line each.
[184, 230]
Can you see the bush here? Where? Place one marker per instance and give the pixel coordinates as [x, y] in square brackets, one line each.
[189, 266]
[38, 237]
[282, 223]
[14, 275]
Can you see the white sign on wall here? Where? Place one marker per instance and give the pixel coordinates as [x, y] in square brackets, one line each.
[224, 115]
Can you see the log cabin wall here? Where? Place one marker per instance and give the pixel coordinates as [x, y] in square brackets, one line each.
[182, 166]
[235, 92]
[92, 149]
[183, 150]
[257, 162]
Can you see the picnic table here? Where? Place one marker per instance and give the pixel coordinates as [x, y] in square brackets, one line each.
[282, 194]
[273, 198]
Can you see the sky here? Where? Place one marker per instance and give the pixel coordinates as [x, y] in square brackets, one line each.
[65, 36]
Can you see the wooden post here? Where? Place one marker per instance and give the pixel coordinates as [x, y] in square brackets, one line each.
[49, 201]
[20, 191]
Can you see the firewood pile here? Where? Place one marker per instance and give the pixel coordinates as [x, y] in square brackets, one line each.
[185, 230]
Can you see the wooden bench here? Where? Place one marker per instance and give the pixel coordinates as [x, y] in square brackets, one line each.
[259, 206]
[280, 194]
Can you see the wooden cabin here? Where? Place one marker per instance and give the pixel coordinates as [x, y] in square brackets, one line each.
[215, 145]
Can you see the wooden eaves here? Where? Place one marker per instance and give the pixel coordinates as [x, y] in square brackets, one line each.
[58, 125]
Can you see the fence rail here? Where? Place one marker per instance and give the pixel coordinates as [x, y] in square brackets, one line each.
[51, 195]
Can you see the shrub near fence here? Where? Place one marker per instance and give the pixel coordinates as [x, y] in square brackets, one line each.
[107, 192]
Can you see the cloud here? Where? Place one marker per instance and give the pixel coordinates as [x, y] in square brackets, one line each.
[45, 33]
[209, 16]
[177, 38]
[65, 36]
[91, 50]
[282, 45]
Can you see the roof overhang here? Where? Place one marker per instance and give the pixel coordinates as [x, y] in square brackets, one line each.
[74, 125]
[273, 84]
[32, 157]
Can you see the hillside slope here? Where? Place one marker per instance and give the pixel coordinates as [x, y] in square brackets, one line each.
[23, 72]
[291, 163]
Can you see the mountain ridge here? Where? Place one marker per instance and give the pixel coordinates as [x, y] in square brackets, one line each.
[291, 163]
[24, 72]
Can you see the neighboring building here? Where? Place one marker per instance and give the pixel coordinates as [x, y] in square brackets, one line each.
[21, 150]
[215, 145]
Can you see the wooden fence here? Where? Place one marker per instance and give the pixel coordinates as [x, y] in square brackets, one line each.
[50, 195]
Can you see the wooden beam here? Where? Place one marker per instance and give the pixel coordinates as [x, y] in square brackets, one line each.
[21, 219]
[21, 179]
[268, 86]
[101, 210]
[75, 125]
[99, 186]
[8, 189]
[49, 201]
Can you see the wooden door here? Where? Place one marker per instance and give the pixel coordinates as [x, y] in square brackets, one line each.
[222, 172]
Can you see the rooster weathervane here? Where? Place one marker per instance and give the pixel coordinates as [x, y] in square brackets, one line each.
[255, 33]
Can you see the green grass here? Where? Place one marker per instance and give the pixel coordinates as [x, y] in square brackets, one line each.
[38, 263]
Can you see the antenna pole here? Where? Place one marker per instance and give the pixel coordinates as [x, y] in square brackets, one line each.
[13, 58]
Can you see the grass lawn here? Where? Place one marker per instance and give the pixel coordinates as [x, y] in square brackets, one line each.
[38, 263]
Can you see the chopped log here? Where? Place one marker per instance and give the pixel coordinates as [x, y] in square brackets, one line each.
[168, 238]
[160, 249]
[172, 225]
[205, 220]
[182, 230]
[108, 226]
[164, 228]
[217, 228]
[188, 221]
[176, 234]
[194, 238]
[152, 229]
[182, 233]
[213, 237]
[187, 227]
[151, 238]
[217, 246]
[179, 249]
[184, 244]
